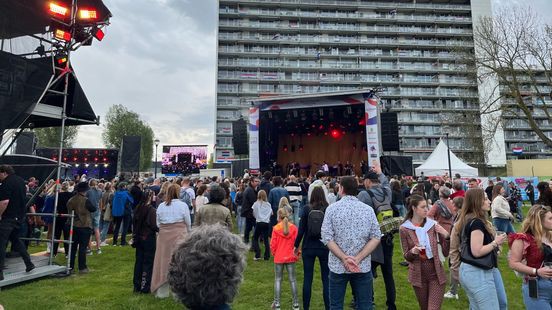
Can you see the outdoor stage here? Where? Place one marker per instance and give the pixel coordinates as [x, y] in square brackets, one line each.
[336, 128]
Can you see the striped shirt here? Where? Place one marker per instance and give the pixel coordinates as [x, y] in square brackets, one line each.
[294, 191]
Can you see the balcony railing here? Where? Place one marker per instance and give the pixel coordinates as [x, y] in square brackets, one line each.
[361, 4]
[343, 27]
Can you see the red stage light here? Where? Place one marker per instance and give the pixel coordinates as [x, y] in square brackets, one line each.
[74, 159]
[88, 14]
[58, 10]
[60, 60]
[98, 34]
[62, 35]
[105, 159]
[285, 148]
[95, 158]
[335, 133]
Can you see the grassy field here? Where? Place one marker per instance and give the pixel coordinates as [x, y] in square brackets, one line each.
[109, 286]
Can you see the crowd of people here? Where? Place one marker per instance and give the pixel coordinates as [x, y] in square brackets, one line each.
[184, 235]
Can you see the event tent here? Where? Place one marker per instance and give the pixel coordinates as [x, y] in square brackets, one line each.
[437, 164]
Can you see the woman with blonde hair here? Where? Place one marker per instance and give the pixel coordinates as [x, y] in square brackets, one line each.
[531, 255]
[173, 220]
[284, 203]
[262, 211]
[281, 246]
[479, 274]
[162, 193]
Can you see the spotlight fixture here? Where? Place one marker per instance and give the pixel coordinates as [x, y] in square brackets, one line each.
[58, 10]
[88, 14]
[98, 33]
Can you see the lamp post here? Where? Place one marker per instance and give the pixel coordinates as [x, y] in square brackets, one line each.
[156, 141]
[448, 155]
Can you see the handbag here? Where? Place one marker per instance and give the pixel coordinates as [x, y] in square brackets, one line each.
[486, 262]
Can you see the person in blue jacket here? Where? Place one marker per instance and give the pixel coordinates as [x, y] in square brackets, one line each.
[121, 209]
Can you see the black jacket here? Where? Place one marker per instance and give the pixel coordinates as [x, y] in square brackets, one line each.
[249, 198]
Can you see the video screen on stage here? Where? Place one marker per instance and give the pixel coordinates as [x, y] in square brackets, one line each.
[183, 159]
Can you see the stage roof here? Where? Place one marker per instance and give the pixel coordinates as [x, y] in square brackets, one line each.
[259, 100]
[26, 17]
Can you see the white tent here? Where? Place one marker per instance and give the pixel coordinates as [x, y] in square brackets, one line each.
[437, 164]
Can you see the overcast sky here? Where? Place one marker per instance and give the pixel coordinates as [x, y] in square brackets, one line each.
[158, 58]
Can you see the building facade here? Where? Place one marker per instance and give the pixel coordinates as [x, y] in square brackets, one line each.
[407, 48]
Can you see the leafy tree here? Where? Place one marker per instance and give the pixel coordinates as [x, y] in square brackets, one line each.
[120, 122]
[49, 136]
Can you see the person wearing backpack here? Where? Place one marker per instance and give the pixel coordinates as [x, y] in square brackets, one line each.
[378, 195]
[443, 210]
[310, 227]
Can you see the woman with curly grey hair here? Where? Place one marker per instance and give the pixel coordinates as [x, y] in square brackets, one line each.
[206, 269]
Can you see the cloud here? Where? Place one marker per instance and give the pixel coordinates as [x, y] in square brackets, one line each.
[158, 59]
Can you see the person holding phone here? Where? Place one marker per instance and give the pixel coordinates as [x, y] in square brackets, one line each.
[533, 245]
[484, 286]
[420, 237]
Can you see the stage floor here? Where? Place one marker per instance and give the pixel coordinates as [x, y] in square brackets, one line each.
[15, 270]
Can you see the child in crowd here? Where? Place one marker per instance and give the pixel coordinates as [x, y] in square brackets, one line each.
[262, 211]
[281, 246]
[454, 253]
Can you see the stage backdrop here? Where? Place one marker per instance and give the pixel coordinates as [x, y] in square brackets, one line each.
[317, 149]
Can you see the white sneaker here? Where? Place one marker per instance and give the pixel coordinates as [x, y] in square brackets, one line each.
[450, 295]
[103, 244]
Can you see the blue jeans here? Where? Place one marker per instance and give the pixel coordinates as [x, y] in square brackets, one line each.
[519, 211]
[504, 225]
[544, 302]
[104, 229]
[309, 259]
[362, 285]
[402, 210]
[484, 288]
[240, 220]
[296, 206]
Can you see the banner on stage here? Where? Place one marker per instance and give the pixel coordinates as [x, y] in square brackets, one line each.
[254, 162]
[372, 128]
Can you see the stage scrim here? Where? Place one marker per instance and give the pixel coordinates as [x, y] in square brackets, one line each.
[317, 149]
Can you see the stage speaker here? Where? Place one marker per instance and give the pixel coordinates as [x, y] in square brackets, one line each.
[389, 132]
[396, 165]
[25, 143]
[130, 153]
[239, 137]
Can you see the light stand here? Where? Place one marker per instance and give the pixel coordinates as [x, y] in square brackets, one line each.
[448, 155]
[156, 141]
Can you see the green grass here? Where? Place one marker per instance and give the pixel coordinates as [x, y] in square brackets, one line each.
[109, 286]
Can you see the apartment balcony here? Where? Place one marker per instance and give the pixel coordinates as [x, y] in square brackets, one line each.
[356, 4]
[239, 25]
[324, 66]
[279, 11]
[301, 53]
[341, 41]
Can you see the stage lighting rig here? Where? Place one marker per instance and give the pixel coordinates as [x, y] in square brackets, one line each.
[74, 26]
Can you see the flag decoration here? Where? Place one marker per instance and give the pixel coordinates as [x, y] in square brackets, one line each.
[517, 150]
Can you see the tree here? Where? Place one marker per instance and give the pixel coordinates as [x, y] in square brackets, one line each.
[120, 122]
[49, 136]
[513, 55]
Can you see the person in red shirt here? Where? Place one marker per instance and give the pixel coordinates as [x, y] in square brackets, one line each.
[281, 246]
[531, 255]
[458, 188]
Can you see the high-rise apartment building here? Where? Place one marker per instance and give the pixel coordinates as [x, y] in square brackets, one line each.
[408, 48]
